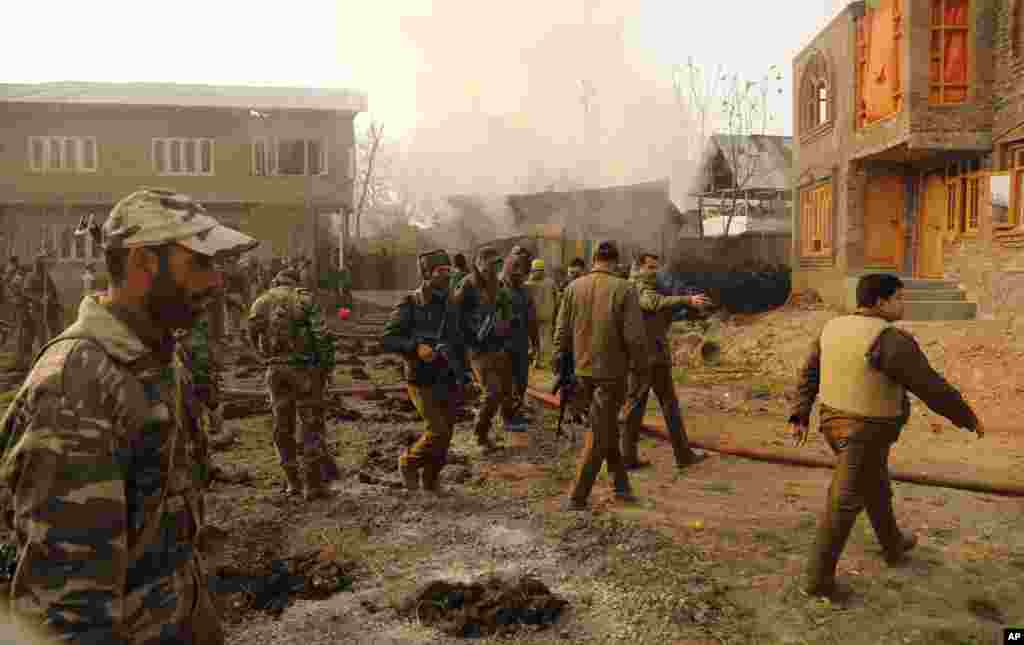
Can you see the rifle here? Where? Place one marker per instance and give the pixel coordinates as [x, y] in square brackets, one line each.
[566, 384]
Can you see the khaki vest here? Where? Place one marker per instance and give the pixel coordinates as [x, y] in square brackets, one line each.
[848, 382]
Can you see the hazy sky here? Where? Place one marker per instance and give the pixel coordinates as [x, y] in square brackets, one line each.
[485, 96]
[407, 55]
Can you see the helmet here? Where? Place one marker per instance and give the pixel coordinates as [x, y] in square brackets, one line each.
[537, 265]
[154, 217]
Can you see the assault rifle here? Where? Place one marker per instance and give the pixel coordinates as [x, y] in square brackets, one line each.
[565, 383]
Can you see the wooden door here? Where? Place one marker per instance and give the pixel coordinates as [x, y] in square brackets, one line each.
[931, 226]
[883, 222]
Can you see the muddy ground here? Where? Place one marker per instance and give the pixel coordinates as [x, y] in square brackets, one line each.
[711, 555]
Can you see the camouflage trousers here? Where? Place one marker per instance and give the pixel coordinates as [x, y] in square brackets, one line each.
[860, 482]
[601, 446]
[493, 372]
[641, 382]
[298, 392]
[437, 404]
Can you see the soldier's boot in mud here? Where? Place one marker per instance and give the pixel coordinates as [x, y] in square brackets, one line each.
[692, 459]
[431, 479]
[329, 470]
[410, 474]
[293, 483]
[898, 555]
[315, 487]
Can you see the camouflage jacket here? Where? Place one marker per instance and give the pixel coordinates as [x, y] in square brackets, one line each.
[601, 325]
[289, 328]
[100, 482]
[425, 317]
[476, 303]
[657, 313]
[198, 351]
[523, 316]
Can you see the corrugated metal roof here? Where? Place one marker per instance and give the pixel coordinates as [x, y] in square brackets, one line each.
[773, 154]
[181, 95]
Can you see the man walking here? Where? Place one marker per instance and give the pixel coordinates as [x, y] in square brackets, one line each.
[97, 475]
[524, 332]
[484, 319]
[657, 374]
[543, 294]
[424, 330]
[601, 326]
[861, 366]
[286, 325]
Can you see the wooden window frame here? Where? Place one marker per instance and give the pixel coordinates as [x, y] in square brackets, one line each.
[941, 30]
[817, 76]
[161, 151]
[1015, 169]
[817, 210]
[266, 154]
[71, 153]
[862, 45]
[963, 197]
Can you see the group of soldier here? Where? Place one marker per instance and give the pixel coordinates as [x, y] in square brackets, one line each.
[104, 450]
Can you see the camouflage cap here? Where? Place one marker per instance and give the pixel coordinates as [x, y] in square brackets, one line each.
[154, 216]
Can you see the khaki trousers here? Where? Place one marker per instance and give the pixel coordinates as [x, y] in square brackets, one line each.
[493, 372]
[602, 441]
[860, 482]
[641, 382]
[437, 405]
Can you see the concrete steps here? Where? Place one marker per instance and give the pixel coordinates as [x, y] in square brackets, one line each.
[926, 299]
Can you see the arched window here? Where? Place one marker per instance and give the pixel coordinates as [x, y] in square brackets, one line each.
[816, 96]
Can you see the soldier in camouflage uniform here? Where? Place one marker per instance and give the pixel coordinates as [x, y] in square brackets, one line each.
[102, 463]
[425, 331]
[43, 317]
[543, 295]
[485, 325]
[235, 301]
[287, 326]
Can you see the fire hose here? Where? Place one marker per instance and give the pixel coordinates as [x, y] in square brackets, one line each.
[657, 431]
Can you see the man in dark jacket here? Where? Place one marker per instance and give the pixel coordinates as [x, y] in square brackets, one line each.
[485, 320]
[424, 330]
[525, 333]
[601, 326]
[861, 366]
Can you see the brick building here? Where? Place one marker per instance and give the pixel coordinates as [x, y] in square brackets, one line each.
[909, 154]
[260, 159]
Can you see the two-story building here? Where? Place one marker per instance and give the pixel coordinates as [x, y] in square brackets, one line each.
[268, 161]
[909, 154]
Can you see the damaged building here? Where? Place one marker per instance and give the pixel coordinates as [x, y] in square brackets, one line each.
[262, 160]
[909, 155]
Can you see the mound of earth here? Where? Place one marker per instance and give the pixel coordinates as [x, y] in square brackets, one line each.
[493, 605]
[272, 588]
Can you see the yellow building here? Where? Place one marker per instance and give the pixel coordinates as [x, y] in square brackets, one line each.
[264, 160]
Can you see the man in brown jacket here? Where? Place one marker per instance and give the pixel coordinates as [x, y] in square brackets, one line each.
[862, 368]
[600, 324]
[657, 313]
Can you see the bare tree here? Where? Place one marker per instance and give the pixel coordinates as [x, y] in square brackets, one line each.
[372, 189]
[736, 108]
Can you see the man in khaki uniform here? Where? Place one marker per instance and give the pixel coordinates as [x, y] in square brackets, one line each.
[544, 295]
[485, 322]
[100, 454]
[861, 366]
[286, 325]
[424, 330]
[601, 325]
[657, 375]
